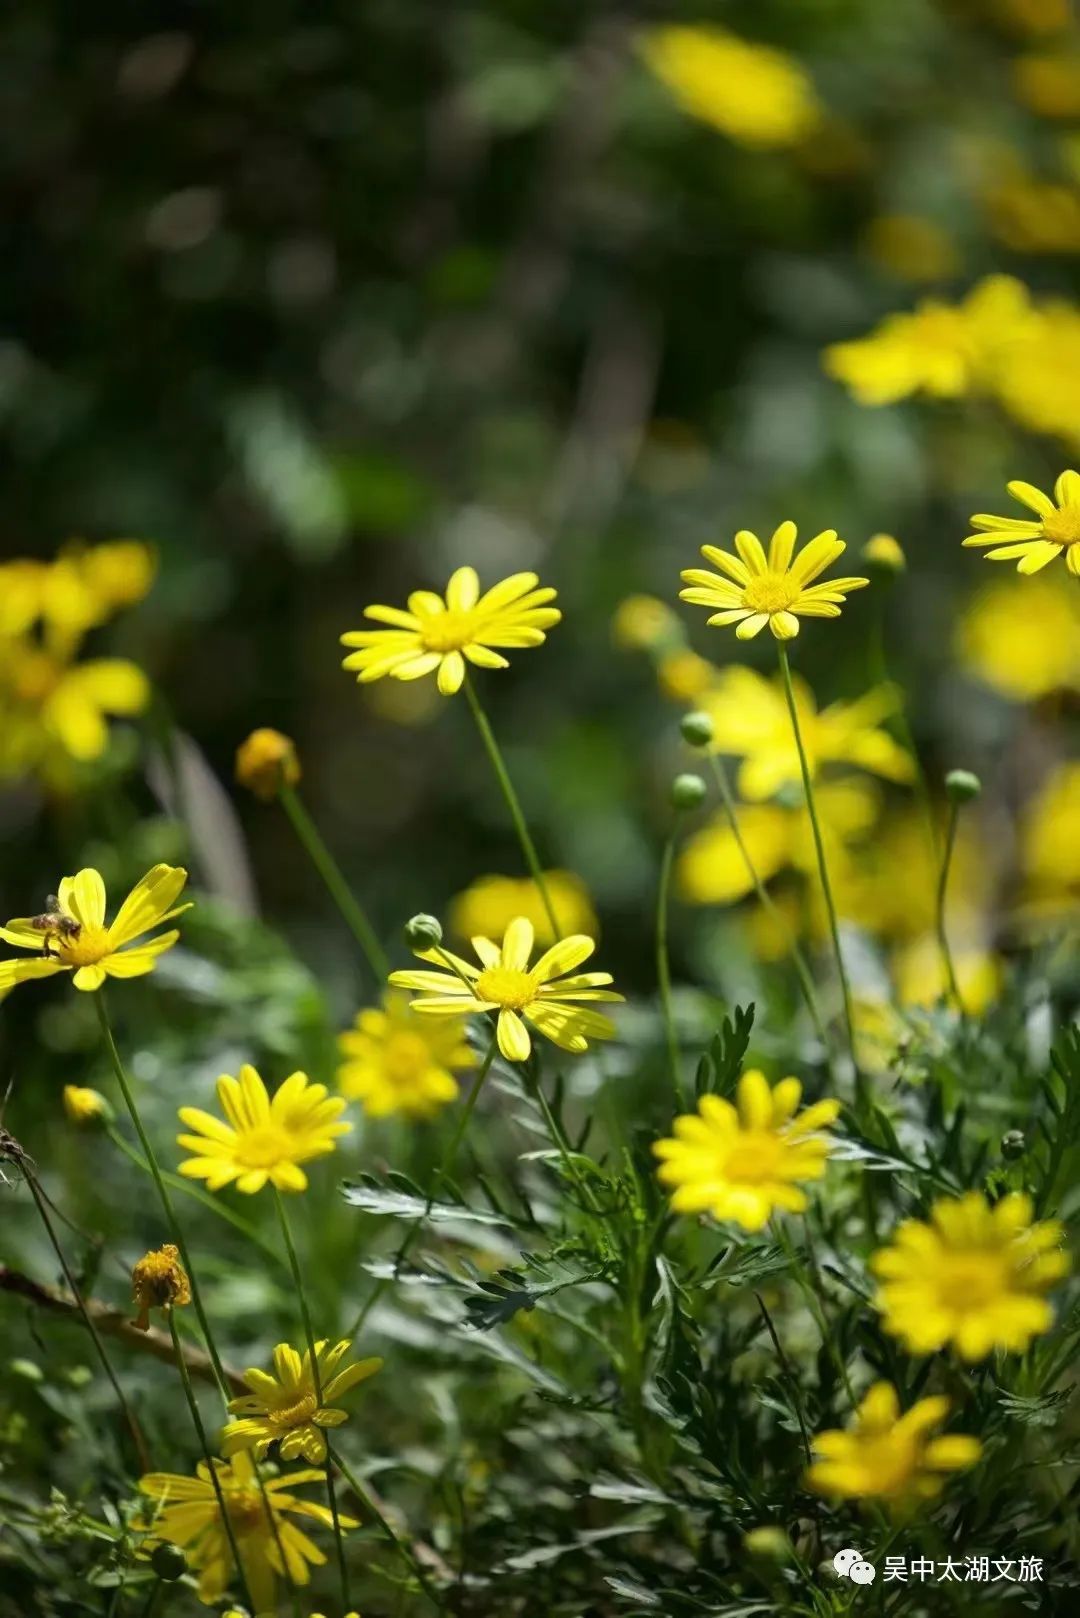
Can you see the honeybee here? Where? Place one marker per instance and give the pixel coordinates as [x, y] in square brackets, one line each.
[54, 924]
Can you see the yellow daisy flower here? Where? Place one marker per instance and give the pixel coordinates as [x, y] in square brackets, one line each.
[398, 1061]
[504, 982]
[742, 1162]
[83, 1105]
[71, 936]
[889, 1456]
[974, 1276]
[263, 1139]
[283, 1408]
[50, 702]
[1033, 545]
[189, 1516]
[489, 905]
[776, 589]
[755, 94]
[437, 634]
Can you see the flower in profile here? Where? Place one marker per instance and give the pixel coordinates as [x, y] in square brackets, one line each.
[397, 1061]
[889, 1456]
[487, 906]
[83, 1105]
[159, 1281]
[885, 552]
[776, 589]
[743, 1161]
[1035, 544]
[265, 761]
[283, 1406]
[71, 935]
[542, 994]
[754, 94]
[994, 638]
[974, 1276]
[261, 1139]
[438, 634]
[188, 1515]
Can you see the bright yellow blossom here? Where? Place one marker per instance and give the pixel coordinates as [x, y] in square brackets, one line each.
[283, 1407]
[742, 1162]
[488, 906]
[159, 1281]
[504, 982]
[1022, 638]
[397, 1061]
[265, 761]
[75, 938]
[889, 1456]
[187, 1514]
[1040, 383]
[754, 94]
[1033, 545]
[82, 1105]
[974, 1276]
[776, 589]
[263, 1139]
[443, 635]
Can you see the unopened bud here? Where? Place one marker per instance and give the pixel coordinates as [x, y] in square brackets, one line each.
[168, 1562]
[962, 786]
[770, 1544]
[884, 553]
[697, 729]
[423, 932]
[687, 791]
[1013, 1144]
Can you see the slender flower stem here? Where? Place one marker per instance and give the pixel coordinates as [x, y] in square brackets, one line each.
[41, 1202]
[943, 883]
[528, 847]
[151, 1600]
[765, 899]
[823, 871]
[789, 1374]
[336, 885]
[211, 1464]
[813, 1303]
[663, 972]
[162, 1190]
[404, 1551]
[298, 1281]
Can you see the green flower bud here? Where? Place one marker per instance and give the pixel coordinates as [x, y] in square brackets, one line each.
[770, 1544]
[962, 786]
[697, 729]
[1013, 1144]
[168, 1562]
[687, 791]
[423, 932]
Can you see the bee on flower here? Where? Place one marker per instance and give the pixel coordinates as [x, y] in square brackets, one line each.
[261, 1138]
[888, 1456]
[284, 1407]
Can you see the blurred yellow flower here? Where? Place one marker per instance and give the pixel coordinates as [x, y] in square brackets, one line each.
[266, 760]
[159, 1281]
[882, 550]
[1049, 83]
[742, 1162]
[488, 906]
[754, 94]
[1050, 844]
[397, 1061]
[941, 349]
[1038, 380]
[71, 936]
[683, 676]
[282, 1407]
[974, 1276]
[911, 247]
[48, 704]
[542, 994]
[922, 980]
[777, 589]
[1023, 638]
[1036, 16]
[642, 622]
[442, 635]
[80, 589]
[869, 895]
[187, 1514]
[83, 1105]
[263, 1139]
[888, 1456]
[1033, 545]
[1031, 215]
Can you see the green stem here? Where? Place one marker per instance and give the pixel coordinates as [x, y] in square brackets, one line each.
[211, 1464]
[528, 847]
[861, 1096]
[151, 1600]
[939, 914]
[663, 973]
[336, 885]
[403, 1550]
[765, 899]
[162, 1190]
[298, 1281]
[789, 1374]
[40, 1202]
[813, 1303]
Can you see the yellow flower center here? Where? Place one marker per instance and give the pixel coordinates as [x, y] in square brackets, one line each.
[971, 1281]
[406, 1057]
[770, 592]
[262, 1148]
[506, 987]
[245, 1510]
[447, 631]
[36, 677]
[889, 1459]
[754, 1159]
[87, 949]
[1062, 527]
[296, 1414]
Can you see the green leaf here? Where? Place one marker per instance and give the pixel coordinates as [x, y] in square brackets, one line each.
[401, 1198]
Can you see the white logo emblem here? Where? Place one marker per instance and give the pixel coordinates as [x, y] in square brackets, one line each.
[849, 1564]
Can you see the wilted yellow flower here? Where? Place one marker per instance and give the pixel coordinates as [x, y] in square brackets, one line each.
[1023, 638]
[911, 247]
[71, 935]
[83, 1105]
[777, 589]
[643, 622]
[159, 1281]
[882, 550]
[1033, 545]
[974, 1276]
[437, 634]
[489, 905]
[889, 1456]
[754, 94]
[265, 761]
[1050, 843]
[541, 994]
[397, 1061]
[187, 1514]
[283, 1407]
[263, 1139]
[1049, 83]
[743, 1162]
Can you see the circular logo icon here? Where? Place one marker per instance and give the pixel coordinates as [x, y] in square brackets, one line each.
[862, 1573]
[844, 1561]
